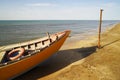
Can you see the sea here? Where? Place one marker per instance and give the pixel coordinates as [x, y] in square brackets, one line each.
[17, 31]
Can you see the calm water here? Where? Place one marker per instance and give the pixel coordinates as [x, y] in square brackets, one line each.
[22, 30]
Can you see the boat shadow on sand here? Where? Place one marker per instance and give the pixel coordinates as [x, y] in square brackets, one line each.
[59, 61]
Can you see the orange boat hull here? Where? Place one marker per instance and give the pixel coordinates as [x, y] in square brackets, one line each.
[13, 70]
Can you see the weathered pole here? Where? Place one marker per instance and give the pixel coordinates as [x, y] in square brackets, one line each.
[99, 30]
[48, 36]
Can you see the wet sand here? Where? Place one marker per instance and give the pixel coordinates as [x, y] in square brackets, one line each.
[82, 60]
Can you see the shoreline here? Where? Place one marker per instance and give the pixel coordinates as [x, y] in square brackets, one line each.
[86, 36]
[99, 65]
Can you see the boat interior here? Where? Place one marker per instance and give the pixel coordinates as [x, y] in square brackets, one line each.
[30, 48]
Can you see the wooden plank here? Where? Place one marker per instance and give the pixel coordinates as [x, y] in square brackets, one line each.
[2, 55]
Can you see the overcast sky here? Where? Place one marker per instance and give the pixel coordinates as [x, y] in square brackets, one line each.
[59, 9]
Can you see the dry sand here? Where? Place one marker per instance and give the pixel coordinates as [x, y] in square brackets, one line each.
[81, 60]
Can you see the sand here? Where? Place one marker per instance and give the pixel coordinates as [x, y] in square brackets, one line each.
[82, 60]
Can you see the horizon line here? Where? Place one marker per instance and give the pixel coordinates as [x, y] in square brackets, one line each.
[51, 19]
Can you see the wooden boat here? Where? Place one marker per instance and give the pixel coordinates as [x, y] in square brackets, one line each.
[19, 58]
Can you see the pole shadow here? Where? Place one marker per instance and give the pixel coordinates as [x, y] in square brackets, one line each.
[111, 43]
[60, 60]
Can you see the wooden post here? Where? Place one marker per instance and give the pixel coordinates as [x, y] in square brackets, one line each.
[48, 36]
[99, 30]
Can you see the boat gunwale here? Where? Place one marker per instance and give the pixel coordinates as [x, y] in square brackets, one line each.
[32, 53]
[26, 43]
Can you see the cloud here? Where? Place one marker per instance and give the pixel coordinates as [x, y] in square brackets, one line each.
[41, 4]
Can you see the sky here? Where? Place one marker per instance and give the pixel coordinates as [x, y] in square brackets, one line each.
[59, 9]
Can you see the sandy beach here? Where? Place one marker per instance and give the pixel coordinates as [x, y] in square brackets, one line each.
[82, 60]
